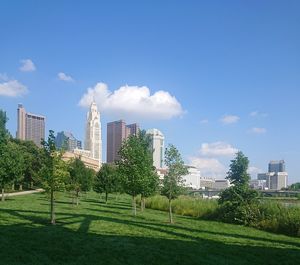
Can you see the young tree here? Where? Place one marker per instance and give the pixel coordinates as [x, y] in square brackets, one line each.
[173, 183]
[134, 167]
[238, 201]
[238, 174]
[80, 179]
[54, 172]
[106, 180]
[11, 165]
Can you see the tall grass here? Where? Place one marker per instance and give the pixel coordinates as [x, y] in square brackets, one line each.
[185, 205]
[267, 215]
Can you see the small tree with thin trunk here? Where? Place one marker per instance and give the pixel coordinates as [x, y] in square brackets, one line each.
[173, 183]
[134, 167]
[80, 179]
[11, 165]
[54, 173]
[106, 180]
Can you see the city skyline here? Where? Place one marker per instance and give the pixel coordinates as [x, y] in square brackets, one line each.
[213, 79]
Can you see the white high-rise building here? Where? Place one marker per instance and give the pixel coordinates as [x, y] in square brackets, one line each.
[158, 145]
[93, 138]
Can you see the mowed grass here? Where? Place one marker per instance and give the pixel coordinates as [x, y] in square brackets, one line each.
[96, 233]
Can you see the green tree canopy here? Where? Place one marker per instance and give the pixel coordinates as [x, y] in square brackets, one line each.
[173, 183]
[237, 173]
[107, 180]
[54, 172]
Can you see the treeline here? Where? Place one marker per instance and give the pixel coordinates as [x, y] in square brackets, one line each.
[23, 164]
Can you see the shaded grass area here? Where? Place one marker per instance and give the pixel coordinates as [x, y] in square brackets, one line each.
[96, 233]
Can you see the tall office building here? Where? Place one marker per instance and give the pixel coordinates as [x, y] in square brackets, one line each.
[67, 141]
[93, 140]
[30, 126]
[277, 177]
[117, 132]
[158, 145]
[277, 166]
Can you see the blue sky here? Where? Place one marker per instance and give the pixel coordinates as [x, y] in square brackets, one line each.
[229, 72]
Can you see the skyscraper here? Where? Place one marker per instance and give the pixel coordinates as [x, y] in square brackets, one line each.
[158, 143]
[67, 141]
[30, 126]
[93, 140]
[277, 166]
[117, 132]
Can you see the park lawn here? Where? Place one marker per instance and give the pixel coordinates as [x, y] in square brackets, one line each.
[96, 233]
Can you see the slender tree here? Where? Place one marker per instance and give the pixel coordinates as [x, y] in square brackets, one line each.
[106, 180]
[134, 167]
[54, 172]
[11, 165]
[173, 183]
[80, 179]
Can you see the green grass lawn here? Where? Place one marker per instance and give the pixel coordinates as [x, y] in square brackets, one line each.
[95, 233]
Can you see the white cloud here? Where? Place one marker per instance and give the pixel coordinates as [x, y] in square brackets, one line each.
[3, 77]
[62, 76]
[258, 114]
[257, 130]
[229, 119]
[12, 88]
[217, 149]
[204, 121]
[134, 101]
[209, 167]
[27, 66]
[253, 171]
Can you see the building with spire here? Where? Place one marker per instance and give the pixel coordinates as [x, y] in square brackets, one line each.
[158, 145]
[93, 138]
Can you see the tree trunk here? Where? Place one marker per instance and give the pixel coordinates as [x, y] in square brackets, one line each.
[106, 197]
[52, 210]
[142, 209]
[134, 205]
[31, 184]
[12, 187]
[3, 197]
[170, 212]
[144, 203]
[21, 187]
[77, 198]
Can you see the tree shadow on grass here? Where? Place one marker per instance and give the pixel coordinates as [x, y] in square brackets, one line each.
[20, 244]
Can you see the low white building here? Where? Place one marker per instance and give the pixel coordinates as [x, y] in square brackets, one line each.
[221, 184]
[192, 180]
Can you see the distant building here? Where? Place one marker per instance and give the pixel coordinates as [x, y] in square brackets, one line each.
[88, 161]
[276, 178]
[277, 166]
[258, 184]
[158, 146]
[192, 179]
[221, 184]
[117, 132]
[30, 126]
[93, 139]
[66, 141]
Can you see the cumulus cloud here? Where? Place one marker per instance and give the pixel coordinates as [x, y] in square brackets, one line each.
[3, 77]
[204, 121]
[12, 88]
[27, 66]
[258, 114]
[134, 101]
[229, 119]
[257, 130]
[209, 167]
[217, 149]
[253, 171]
[62, 76]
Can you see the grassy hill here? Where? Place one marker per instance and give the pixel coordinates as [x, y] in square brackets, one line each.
[96, 233]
